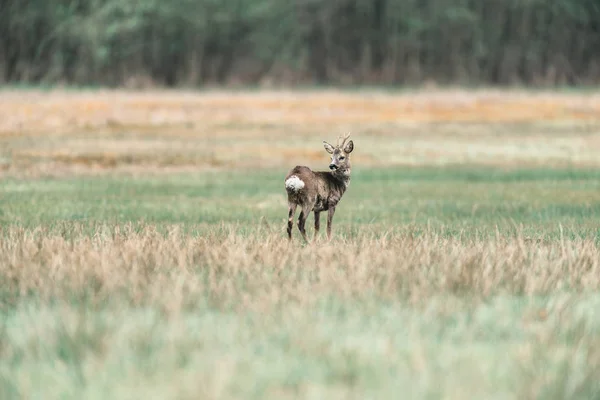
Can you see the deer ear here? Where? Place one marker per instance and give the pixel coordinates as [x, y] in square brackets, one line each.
[349, 147]
[329, 148]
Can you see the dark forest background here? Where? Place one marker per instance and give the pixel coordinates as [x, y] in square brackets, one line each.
[341, 42]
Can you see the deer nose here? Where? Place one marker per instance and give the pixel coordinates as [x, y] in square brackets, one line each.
[332, 166]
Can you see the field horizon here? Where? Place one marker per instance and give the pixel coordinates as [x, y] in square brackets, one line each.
[143, 248]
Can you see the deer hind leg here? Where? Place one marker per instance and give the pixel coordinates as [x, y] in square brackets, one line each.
[291, 212]
[317, 223]
[302, 220]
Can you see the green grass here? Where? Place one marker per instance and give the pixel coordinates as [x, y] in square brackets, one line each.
[460, 198]
[340, 350]
[87, 312]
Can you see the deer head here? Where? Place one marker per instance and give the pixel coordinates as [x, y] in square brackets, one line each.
[340, 154]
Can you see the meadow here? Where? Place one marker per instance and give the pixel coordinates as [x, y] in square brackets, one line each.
[143, 248]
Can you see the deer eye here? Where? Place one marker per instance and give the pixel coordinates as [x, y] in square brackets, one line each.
[342, 157]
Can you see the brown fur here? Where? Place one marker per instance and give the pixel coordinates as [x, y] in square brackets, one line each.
[322, 190]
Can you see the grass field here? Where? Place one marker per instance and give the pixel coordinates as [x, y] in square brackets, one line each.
[143, 249]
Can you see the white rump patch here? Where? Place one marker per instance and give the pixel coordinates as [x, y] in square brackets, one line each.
[294, 183]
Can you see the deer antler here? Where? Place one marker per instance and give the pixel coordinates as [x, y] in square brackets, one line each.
[345, 137]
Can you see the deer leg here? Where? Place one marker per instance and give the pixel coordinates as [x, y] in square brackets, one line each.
[317, 223]
[302, 221]
[329, 219]
[291, 212]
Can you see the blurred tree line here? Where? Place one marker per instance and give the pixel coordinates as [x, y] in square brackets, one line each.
[196, 42]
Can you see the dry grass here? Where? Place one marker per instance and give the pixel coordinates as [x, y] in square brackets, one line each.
[143, 264]
[81, 132]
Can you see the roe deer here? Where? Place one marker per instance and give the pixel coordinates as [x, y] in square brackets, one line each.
[319, 190]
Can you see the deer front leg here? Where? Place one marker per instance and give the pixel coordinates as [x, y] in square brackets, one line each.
[329, 219]
[291, 212]
[317, 223]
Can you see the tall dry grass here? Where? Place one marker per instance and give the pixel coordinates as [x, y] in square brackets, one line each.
[175, 270]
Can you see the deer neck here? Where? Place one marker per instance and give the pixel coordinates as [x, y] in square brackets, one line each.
[342, 175]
